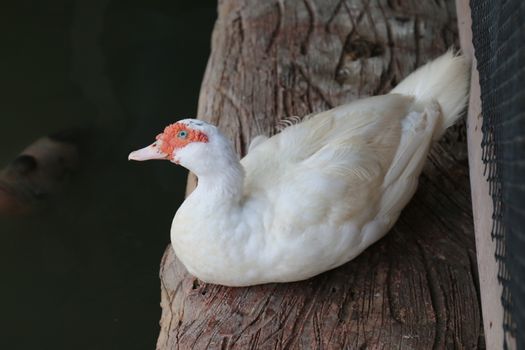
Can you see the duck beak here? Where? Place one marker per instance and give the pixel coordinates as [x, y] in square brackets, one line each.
[147, 153]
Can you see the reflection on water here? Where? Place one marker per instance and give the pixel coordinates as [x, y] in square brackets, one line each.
[81, 271]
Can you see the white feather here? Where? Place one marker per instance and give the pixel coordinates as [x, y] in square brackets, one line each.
[446, 80]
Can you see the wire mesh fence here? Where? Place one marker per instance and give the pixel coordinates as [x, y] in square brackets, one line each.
[499, 40]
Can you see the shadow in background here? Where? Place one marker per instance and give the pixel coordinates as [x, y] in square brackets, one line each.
[82, 271]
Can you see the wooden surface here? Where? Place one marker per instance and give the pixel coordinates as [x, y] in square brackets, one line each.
[414, 289]
[490, 288]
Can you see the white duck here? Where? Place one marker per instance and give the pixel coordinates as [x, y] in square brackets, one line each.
[315, 195]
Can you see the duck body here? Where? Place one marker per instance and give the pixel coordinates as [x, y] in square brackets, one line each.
[317, 194]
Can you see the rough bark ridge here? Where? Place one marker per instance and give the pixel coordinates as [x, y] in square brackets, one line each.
[417, 287]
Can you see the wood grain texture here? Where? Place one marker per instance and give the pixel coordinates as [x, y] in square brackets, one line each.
[414, 289]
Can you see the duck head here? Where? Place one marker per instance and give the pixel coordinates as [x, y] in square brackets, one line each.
[194, 144]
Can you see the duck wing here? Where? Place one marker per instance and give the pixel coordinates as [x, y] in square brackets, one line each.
[330, 168]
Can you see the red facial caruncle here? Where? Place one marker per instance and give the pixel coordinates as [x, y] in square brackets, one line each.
[178, 135]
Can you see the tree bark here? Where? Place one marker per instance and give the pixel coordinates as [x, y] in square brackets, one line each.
[417, 287]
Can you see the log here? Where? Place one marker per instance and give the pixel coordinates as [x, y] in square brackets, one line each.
[417, 287]
[40, 172]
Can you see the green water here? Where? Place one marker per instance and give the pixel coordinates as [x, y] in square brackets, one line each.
[82, 272]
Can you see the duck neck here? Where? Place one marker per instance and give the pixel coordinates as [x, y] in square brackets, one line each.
[219, 172]
[225, 185]
[219, 190]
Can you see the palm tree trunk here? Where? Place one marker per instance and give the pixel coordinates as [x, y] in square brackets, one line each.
[416, 288]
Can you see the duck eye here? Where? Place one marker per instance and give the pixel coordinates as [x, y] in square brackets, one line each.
[182, 134]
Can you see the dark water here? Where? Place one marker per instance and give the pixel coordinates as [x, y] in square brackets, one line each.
[81, 272]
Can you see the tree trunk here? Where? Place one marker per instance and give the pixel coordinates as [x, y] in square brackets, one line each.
[417, 287]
